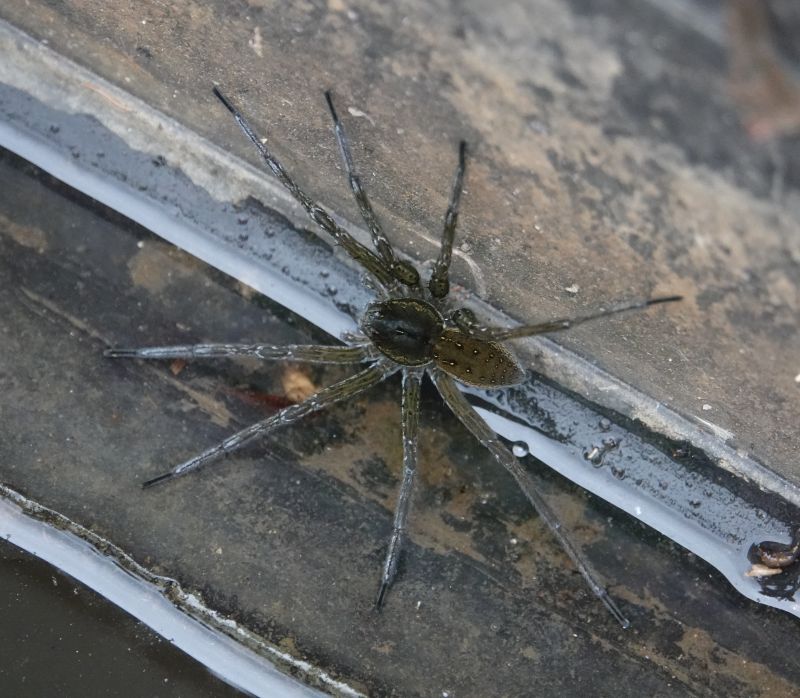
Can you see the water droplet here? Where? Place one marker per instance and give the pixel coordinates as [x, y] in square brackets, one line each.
[594, 455]
[604, 424]
[538, 127]
[618, 473]
[520, 449]
[331, 290]
[324, 273]
[242, 220]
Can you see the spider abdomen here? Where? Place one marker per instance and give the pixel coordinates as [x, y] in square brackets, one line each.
[478, 362]
[404, 329]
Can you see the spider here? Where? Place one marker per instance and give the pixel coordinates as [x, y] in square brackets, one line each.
[411, 329]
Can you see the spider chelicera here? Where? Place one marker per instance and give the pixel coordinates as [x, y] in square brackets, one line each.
[411, 329]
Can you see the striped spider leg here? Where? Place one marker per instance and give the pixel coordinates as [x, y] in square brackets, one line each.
[345, 389]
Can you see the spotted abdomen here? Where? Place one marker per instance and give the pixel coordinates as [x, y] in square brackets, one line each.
[474, 361]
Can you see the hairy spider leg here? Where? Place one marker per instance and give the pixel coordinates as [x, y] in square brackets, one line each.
[501, 333]
[480, 429]
[402, 271]
[360, 254]
[439, 284]
[410, 424]
[311, 353]
[347, 388]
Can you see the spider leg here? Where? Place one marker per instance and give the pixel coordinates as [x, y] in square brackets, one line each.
[480, 429]
[439, 283]
[402, 271]
[363, 256]
[501, 333]
[410, 423]
[310, 353]
[342, 390]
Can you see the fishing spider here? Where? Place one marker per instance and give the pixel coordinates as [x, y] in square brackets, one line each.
[410, 329]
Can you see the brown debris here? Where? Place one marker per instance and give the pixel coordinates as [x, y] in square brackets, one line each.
[177, 366]
[758, 570]
[766, 95]
[297, 386]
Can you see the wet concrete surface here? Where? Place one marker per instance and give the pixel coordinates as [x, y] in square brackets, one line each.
[608, 157]
[287, 537]
[60, 638]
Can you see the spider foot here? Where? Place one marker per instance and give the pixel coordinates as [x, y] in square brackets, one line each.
[157, 480]
[614, 610]
[193, 463]
[385, 584]
[121, 353]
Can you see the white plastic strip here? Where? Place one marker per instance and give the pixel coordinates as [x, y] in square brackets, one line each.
[231, 661]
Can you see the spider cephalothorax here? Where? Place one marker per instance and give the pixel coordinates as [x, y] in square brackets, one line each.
[405, 330]
[412, 332]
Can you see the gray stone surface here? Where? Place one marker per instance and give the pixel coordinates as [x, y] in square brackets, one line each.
[607, 155]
